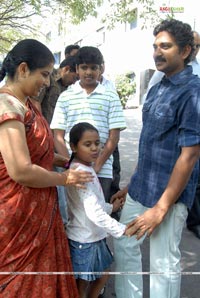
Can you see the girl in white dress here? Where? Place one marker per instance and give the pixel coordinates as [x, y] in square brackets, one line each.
[89, 220]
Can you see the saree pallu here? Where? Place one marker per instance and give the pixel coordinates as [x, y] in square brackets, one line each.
[33, 244]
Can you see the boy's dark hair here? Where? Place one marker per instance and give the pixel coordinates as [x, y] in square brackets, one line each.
[71, 47]
[89, 55]
[31, 51]
[75, 135]
[69, 61]
[181, 32]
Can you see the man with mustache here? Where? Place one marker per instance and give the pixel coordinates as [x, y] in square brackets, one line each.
[193, 219]
[162, 187]
[157, 76]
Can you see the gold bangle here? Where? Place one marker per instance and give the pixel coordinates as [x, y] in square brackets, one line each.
[66, 179]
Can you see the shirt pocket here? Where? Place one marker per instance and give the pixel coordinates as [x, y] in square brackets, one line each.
[164, 123]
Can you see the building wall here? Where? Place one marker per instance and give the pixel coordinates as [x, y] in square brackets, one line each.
[126, 48]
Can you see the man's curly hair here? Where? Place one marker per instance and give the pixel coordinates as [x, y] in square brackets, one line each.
[181, 32]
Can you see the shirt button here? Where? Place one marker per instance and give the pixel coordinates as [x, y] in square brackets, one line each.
[80, 246]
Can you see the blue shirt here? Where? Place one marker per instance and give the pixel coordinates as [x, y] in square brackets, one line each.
[171, 120]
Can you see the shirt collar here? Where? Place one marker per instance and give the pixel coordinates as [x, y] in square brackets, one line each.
[180, 77]
[78, 89]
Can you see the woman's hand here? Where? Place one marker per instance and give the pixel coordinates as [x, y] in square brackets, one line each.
[77, 177]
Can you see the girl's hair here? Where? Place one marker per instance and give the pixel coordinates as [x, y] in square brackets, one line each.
[76, 134]
[31, 51]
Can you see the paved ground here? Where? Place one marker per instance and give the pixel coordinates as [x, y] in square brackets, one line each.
[190, 245]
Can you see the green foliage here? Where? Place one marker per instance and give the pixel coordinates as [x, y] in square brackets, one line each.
[15, 20]
[17, 16]
[125, 86]
[125, 11]
[79, 10]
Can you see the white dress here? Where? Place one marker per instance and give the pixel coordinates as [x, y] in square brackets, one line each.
[88, 213]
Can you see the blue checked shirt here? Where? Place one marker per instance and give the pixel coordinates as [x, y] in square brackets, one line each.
[171, 120]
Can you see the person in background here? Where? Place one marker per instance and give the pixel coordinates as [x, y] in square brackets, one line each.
[66, 75]
[162, 187]
[88, 100]
[115, 185]
[32, 236]
[71, 50]
[89, 220]
[193, 219]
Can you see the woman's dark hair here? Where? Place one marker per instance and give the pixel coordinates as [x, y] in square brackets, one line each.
[181, 32]
[31, 51]
[76, 134]
[89, 55]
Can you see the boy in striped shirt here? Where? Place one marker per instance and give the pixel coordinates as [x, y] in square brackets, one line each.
[89, 101]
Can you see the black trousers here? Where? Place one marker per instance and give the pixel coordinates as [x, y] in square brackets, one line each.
[116, 172]
[193, 218]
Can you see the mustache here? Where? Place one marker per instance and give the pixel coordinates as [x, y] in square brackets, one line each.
[159, 59]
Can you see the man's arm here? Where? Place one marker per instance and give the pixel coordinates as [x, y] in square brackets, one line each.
[59, 143]
[149, 220]
[108, 149]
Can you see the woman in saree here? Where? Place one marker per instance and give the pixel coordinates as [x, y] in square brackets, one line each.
[33, 244]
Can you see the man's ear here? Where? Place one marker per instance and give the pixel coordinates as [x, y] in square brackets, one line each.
[66, 68]
[186, 51]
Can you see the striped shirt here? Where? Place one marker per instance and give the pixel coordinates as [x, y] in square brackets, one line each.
[102, 108]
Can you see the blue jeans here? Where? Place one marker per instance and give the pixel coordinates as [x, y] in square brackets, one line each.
[164, 255]
[89, 260]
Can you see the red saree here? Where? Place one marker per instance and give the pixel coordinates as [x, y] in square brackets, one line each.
[32, 237]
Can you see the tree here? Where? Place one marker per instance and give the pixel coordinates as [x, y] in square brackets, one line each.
[18, 18]
[126, 86]
[14, 17]
[125, 11]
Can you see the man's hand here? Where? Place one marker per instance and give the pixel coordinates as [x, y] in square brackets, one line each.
[121, 194]
[146, 222]
[117, 204]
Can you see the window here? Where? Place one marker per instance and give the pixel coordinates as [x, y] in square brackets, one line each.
[57, 57]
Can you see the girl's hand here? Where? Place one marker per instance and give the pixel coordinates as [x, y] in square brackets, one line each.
[117, 204]
[77, 177]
